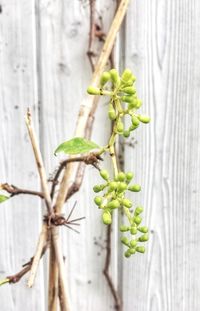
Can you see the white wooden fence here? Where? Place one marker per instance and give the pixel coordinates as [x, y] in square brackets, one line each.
[43, 65]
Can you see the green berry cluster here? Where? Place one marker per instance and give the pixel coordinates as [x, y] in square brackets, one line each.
[133, 230]
[114, 197]
[123, 99]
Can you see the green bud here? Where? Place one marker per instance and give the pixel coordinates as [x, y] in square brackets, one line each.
[93, 90]
[144, 119]
[134, 188]
[127, 98]
[133, 230]
[140, 249]
[138, 210]
[121, 176]
[124, 228]
[107, 218]
[113, 204]
[144, 237]
[98, 188]
[122, 186]
[137, 220]
[133, 127]
[129, 176]
[127, 253]
[127, 203]
[98, 200]
[104, 174]
[114, 76]
[126, 75]
[133, 243]
[138, 104]
[105, 77]
[129, 90]
[135, 120]
[112, 115]
[120, 126]
[132, 251]
[113, 185]
[126, 133]
[143, 229]
[132, 104]
[125, 240]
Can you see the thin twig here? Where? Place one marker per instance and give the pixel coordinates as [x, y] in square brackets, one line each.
[118, 305]
[13, 190]
[34, 266]
[39, 160]
[91, 159]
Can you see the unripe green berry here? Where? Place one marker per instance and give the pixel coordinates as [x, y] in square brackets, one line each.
[127, 203]
[98, 188]
[127, 253]
[135, 120]
[140, 249]
[126, 75]
[124, 228]
[121, 176]
[126, 133]
[129, 90]
[105, 77]
[122, 186]
[120, 126]
[144, 119]
[132, 104]
[127, 98]
[134, 188]
[114, 76]
[93, 90]
[104, 174]
[107, 218]
[113, 204]
[129, 176]
[133, 243]
[132, 251]
[138, 210]
[125, 240]
[143, 229]
[113, 185]
[112, 115]
[98, 200]
[133, 230]
[144, 237]
[138, 104]
[137, 220]
[133, 127]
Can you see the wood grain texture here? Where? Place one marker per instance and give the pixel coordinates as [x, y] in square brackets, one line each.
[43, 64]
[164, 57]
[19, 217]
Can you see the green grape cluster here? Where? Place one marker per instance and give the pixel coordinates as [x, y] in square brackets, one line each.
[114, 197]
[113, 192]
[123, 99]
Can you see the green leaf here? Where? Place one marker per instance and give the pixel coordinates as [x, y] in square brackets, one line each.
[77, 145]
[3, 198]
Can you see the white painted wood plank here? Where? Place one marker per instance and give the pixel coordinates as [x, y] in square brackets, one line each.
[163, 52]
[65, 72]
[20, 217]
